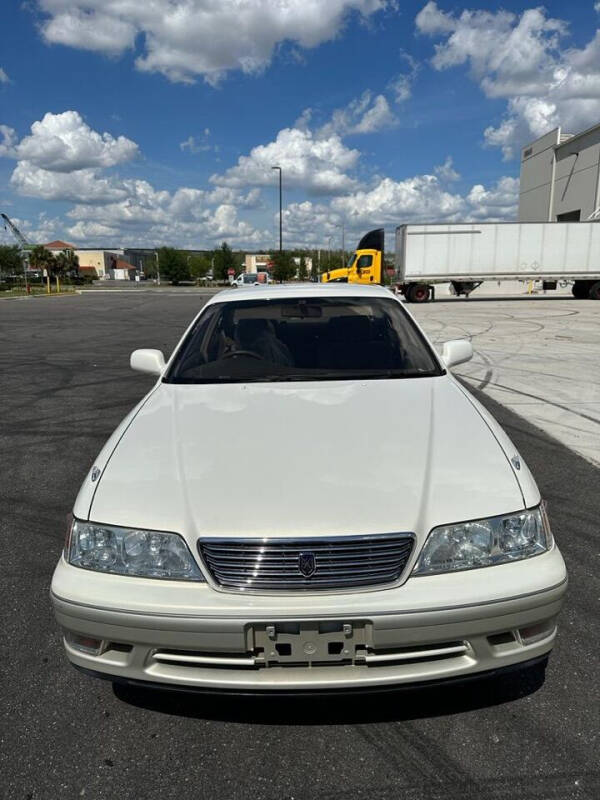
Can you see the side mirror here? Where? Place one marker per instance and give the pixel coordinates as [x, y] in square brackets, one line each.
[151, 361]
[457, 352]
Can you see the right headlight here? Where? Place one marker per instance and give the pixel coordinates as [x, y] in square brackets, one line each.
[130, 551]
[485, 542]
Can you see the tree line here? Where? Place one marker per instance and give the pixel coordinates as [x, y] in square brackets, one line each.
[11, 262]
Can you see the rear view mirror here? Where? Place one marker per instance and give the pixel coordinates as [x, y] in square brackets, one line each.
[457, 352]
[150, 361]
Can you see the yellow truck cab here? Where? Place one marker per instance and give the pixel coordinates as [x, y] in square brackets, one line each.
[365, 265]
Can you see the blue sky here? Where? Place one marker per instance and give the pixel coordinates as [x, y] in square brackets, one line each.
[157, 123]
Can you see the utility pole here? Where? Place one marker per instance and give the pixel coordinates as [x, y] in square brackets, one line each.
[343, 244]
[280, 210]
[329, 253]
[157, 269]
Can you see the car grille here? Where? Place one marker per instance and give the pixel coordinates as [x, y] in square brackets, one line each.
[343, 562]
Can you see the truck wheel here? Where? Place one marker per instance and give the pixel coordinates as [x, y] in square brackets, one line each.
[595, 291]
[418, 293]
[581, 289]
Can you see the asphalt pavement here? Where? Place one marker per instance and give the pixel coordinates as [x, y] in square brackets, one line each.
[66, 384]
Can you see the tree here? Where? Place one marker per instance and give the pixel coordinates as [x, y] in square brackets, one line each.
[10, 260]
[284, 267]
[199, 265]
[173, 265]
[40, 258]
[302, 270]
[66, 263]
[224, 261]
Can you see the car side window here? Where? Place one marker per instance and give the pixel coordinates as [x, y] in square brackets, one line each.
[364, 261]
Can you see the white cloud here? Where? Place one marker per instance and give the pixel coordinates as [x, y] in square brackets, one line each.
[391, 202]
[365, 114]
[318, 165]
[500, 202]
[8, 143]
[40, 230]
[81, 186]
[199, 144]
[65, 143]
[521, 59]
[446, 171]
[186, 38]
[421, 198]
[401, 85]
[3, 76]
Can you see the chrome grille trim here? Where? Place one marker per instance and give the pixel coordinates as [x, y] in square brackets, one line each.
[271, 564]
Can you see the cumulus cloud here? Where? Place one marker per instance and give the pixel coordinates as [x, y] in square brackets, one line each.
[8, 142]
[421, 198]
[499, 202]
[316, 164]
[183, 39]
[521, 59]
[187, 216]
[65, 143]
[3, 76]
[446, 171]
[365, 114]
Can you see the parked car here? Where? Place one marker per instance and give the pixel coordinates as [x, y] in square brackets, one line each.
[251, 279]
[395, 535]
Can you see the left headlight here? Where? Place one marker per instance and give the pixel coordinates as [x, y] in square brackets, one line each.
[130, 551]
[485, 542]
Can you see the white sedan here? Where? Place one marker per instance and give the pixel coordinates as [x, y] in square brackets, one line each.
[307, 500]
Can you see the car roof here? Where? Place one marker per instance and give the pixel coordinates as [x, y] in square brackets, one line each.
[273, 291]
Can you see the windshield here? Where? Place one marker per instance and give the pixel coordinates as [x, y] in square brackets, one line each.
[302, 339]
[351, 261]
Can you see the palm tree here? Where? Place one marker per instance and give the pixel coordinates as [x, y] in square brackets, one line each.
[40, 258]
[66, 263]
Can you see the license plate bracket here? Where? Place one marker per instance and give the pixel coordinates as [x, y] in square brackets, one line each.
[309, 643]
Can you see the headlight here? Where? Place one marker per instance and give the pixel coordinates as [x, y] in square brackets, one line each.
[129, 551]
[485, 542]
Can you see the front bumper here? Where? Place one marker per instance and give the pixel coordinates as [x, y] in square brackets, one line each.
[365, 640]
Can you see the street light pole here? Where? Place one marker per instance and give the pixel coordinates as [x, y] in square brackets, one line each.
[157, 269]
[280, 210]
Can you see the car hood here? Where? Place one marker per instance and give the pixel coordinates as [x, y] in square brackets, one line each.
[319, 458]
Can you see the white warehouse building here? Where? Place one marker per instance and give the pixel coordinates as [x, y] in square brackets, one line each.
[560, 177]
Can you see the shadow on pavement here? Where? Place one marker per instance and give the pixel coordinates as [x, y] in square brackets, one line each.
[341, 709]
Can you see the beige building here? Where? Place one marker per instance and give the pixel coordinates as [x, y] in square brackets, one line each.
[256, 263]
[560, 177]
[100, 260]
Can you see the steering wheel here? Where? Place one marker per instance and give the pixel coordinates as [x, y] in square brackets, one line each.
[250, 353]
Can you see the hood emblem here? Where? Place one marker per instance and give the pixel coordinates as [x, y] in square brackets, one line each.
[516, 462]
[307, 564]
[95, 474]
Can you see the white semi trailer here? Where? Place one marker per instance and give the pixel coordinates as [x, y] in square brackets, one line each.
[467, 254]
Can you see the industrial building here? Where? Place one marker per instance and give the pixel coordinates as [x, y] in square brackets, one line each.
[560, 177]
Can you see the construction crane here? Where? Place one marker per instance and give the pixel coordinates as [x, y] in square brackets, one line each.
[23, 245]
